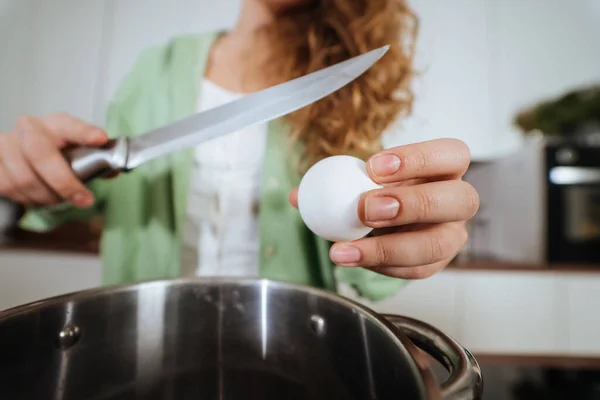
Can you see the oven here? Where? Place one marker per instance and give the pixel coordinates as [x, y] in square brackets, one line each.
[573, 209]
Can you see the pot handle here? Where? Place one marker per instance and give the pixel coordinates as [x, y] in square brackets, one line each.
[465, 380]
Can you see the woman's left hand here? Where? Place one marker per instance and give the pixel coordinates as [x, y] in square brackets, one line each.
[419, 216]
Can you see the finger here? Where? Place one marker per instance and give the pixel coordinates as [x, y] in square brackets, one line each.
[293, 197]
[8, 189]
[24, 181]
[435, 158]
[412, 273]
[65, 129]
[435, 202]
[404, 249]
[49, 164]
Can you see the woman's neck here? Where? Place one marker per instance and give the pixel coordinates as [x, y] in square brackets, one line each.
[242, 38]
[235, 57]
[254, 14]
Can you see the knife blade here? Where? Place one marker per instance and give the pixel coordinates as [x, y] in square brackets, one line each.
[124, 154]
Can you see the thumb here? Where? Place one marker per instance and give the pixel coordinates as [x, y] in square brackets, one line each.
[65, 129]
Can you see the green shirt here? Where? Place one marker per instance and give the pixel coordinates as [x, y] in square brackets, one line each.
[144, 210]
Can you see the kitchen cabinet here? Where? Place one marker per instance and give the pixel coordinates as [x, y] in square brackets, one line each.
[432, 300]
[583, 314]
[27, 276]
[517, 312]
[536, 313]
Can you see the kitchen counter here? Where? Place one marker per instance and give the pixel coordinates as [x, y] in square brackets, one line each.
[84, 238]
[76, 237]
[488, 264]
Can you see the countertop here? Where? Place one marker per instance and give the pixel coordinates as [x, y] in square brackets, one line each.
[75, 237]
[84, 238]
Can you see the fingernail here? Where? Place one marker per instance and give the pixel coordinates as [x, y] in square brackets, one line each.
[97, 137]
[345, 254]
[381, 208]
[384, 164]
[82, 200]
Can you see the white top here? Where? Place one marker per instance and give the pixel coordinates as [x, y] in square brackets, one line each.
[221, 236]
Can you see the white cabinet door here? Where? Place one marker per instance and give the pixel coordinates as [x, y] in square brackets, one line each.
[431, 300]
[30, 276]
[513, 312]
[583, 315]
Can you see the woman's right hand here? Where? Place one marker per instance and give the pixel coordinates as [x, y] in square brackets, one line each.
[33, 170]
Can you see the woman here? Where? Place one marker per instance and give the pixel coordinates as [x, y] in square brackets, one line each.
[221, 209]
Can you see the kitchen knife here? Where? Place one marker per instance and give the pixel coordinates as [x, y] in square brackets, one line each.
[124, 154]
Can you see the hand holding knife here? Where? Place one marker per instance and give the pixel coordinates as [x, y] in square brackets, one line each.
[33, 171]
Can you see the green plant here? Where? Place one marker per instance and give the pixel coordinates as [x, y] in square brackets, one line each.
[566, 115]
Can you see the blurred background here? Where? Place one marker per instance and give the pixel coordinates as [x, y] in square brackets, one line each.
[518, 80]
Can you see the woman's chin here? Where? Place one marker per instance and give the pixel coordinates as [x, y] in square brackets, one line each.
[283, 5]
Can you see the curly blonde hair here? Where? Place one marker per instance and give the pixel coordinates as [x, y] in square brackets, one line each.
[325, 32]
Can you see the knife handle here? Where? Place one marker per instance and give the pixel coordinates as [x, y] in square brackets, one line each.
[89, 163]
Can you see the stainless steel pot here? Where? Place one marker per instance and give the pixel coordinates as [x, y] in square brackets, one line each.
[226, 339]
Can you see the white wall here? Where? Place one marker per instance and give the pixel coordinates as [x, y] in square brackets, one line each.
[137, 24]
[77, 52]
[485, 59]
[481, 60]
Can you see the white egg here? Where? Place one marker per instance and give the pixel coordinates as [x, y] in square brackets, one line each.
[328, 198]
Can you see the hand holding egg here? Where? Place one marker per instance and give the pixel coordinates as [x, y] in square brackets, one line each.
[412, 197]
